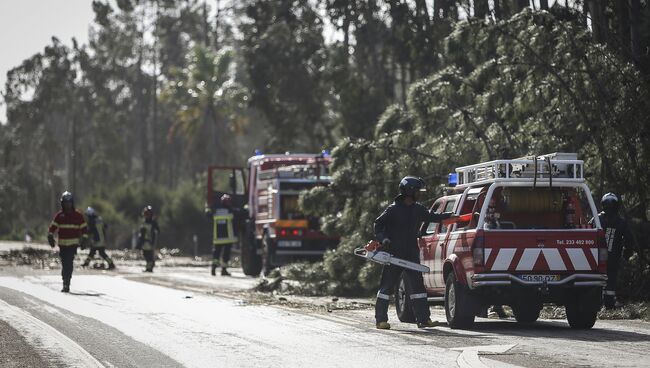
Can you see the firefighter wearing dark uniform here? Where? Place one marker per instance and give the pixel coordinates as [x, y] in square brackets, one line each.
[148, 237]
[97, 238]
[616, 237]
[224, 235]
[70, 226]
[397, 230]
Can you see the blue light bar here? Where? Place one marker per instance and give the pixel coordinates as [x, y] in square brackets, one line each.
[326, 153]
[258, 152]
[453, 179]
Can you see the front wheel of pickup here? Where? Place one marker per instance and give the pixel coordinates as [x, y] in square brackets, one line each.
[403, 304]
[582, 309]
[460, 306]
[526, 312]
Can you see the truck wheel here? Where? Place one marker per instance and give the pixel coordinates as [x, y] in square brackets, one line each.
[403, 304]
[267, 254]
[460, 306]
[251, 263]
[526, 312]
[582, 310]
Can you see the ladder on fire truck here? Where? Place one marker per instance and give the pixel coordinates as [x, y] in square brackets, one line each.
[553, 167]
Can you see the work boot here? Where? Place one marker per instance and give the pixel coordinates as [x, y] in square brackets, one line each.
[111, 265]
[383, 325]
[224, 272]
[428, 323]
[66, 288]
[213, 271]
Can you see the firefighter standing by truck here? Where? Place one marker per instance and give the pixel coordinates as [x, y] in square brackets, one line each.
[70, 226]
[148, 238]
[97, 238]
[225, 222]
[397, 230]
[617, 237]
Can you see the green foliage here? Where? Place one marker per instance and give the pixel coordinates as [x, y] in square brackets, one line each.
[531, 84]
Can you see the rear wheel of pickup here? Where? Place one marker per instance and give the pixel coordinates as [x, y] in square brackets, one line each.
[251, 262]
[460, 306]
[582, 309]
[403, 304]
[526, 312]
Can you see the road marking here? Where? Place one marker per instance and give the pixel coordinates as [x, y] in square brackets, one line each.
[469, 358]
[43, 335]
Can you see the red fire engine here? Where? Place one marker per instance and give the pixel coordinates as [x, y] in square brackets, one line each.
[274, 229]
[523, 238]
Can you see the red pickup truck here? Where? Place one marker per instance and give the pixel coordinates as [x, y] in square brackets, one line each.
[525, 235]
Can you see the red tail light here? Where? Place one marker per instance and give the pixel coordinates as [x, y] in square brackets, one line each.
[602, 252]
[283, 232]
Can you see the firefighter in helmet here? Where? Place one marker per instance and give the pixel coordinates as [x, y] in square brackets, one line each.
[224, 234]
[97, 239]
[70, 227]
[397, 230]
[148, 238]
[617, 236]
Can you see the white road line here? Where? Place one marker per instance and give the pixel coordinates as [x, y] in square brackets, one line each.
[43, 335]
[469, 358]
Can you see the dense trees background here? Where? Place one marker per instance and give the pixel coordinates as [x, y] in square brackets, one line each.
[166, 87]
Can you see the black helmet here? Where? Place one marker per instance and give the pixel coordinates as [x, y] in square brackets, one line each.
[411, 185]
[67, 197]
[610, 203]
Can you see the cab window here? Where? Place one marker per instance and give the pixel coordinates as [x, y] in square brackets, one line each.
[449, 207]
[432, 226]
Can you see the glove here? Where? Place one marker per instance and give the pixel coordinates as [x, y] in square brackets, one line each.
[50, 239]
[385, 244]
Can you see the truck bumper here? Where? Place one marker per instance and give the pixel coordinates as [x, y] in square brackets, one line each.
[504, 279]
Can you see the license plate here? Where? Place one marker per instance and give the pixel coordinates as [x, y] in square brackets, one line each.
[289, 243]
[540, 278]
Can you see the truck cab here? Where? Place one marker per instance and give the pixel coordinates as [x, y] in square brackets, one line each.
[525, 234]
[275, 230]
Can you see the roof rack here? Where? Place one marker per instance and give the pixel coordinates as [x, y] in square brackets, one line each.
[553, 167]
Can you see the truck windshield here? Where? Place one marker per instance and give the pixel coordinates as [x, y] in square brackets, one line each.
[540, 208]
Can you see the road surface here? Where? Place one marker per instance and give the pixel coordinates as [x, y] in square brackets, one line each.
[182, 317]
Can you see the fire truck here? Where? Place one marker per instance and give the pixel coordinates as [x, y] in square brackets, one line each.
[525, 235]
[273, 229]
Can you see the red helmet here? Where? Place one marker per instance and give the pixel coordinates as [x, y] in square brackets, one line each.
[226, 200]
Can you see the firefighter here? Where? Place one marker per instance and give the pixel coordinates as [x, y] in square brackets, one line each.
[97, 238]
[224, 235]
[70, 226]
[617, 237]
[397, 230]
[148, 238]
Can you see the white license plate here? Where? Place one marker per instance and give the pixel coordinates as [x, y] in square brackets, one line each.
[289, 243]
[540, 278]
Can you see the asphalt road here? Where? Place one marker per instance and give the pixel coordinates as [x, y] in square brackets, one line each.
[184, 317]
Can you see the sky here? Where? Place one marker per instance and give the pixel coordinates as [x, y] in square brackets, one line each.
[27, 26]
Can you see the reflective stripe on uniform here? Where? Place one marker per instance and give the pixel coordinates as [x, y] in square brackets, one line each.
[66, 242]
[609, 292]
[54, 223]
[418, 296]
[220, 238]
[71, 226]
[382, 296]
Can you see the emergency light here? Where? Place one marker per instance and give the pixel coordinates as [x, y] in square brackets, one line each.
[258, 152]
[326, 153]
[453, 179]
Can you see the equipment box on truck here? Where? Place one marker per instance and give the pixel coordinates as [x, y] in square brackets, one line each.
[274, 230]
[525, 235]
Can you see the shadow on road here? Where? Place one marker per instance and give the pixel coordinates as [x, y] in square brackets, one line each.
[557, 330]
[85, 294]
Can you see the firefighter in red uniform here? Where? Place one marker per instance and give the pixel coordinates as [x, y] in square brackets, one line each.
[70, 226]
[148, 238]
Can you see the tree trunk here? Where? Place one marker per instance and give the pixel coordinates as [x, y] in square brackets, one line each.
[635, 31]
[481, 8]
[543, 4]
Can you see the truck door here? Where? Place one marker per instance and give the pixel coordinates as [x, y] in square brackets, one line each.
[441, 245]
[428, 241]
[229, 180]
